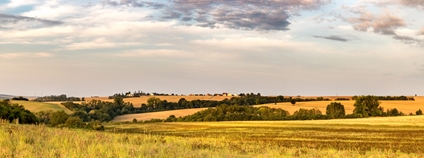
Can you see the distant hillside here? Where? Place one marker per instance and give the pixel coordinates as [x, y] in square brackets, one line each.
[5, 96]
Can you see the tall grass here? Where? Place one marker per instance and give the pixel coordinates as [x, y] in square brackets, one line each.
[229, 139]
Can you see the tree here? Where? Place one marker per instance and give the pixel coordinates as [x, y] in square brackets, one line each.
[74, 122]
[393, 112]
[335, 110]
[293, 101]
[118, 101]
[134, 120]
[58, 118]
[153, 102]
[367, 106]
[419, 112]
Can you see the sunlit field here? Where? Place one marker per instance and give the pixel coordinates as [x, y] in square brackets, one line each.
[41, 106]
[370, 137]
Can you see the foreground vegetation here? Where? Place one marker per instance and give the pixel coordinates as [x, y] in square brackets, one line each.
[369, 137]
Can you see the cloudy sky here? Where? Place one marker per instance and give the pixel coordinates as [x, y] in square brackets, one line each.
[287, 47]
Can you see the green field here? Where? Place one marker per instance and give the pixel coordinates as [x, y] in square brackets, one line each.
[41, 106]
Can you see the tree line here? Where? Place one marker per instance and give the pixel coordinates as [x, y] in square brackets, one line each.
[389, 98]
[138, 94]
[62, 97]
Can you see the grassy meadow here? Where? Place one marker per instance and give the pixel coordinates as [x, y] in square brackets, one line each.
[369, 137]
[41, 106]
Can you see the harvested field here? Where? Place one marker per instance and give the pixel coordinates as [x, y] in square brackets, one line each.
[156, 115]
[367, 137]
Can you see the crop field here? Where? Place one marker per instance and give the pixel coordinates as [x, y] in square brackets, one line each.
[143, 99]
[369, 137]
[404, 106]
[155, 115]
[362, 136]
[41, 106]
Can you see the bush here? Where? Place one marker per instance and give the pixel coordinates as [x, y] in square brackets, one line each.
[393, 112]
[58, 118]
[74, 122]
[419, 112]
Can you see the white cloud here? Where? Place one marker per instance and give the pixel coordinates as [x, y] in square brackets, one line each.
[18, 3]
[25, 55]
[421, 32]
[98, 43]
[155, 53]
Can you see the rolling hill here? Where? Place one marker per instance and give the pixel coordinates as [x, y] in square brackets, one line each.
[404, 106]
[41, 106]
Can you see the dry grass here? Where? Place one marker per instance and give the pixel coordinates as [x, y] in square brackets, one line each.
[143, 99]
[41, 106]
[371, 137]
[404, 106]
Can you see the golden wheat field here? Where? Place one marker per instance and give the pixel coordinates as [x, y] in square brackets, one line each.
[404, 106]
[401, 136]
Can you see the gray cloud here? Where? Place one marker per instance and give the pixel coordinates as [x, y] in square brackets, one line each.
[135, 3]
[413, 3]
[260, 15]
[6, 19]
[334, 38]
[409, 40]
[264, 15]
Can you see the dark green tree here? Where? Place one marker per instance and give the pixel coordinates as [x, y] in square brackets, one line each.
[293, 102]
[335, 110]
[367, 106]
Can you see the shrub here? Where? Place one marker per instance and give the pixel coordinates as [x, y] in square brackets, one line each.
[58, 118]
[419, 112]
[393, 112]
[74, 122]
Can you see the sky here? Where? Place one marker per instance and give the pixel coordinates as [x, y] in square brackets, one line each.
[272, 47]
